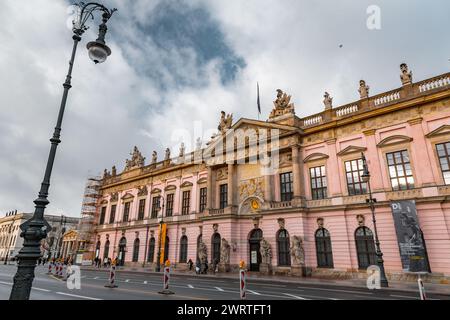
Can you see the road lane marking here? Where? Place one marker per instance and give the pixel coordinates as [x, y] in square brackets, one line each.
[40, 289]
[76, 296]
[296, 297]
[191, 286]
[128, 280]
[407, 297]
[335, 290]
[219, 289]
[270, 285]
[95, 278]
[7, 283]
[145, 282]
[254, 292]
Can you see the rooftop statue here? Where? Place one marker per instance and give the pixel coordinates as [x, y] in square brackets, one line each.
[405, 76]
[137, 160]
[154, 157]
[226, 121]
[282, 105]
[328, 101]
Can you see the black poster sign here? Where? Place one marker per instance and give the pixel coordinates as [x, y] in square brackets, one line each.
[409, 236]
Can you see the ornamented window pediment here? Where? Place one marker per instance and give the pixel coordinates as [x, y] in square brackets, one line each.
[202, 181]
[186, 184]
[104, 202]
[350, 150]
[156, 190]
[393, 140]
[170, 187]
[315, 156]
[127, 196]
[114, 197]
[142, 191]
[444, 129]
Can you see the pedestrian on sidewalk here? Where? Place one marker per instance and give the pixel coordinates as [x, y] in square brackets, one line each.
[190, 264]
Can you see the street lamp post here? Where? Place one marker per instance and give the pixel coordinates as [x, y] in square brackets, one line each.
[161, 221]
[371, 201]
[36, 229]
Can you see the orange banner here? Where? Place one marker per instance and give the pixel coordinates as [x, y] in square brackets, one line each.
[162, 237]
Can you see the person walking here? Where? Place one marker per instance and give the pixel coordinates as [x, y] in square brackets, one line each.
[190, 264]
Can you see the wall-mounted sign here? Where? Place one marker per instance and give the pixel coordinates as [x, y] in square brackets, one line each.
[409, 236]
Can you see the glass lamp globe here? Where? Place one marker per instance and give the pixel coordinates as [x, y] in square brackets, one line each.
[98, 51]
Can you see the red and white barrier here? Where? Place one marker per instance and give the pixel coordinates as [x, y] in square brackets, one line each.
[112, 277]
[166, 280]
[50, 267]
[243, 284]
[60, 270]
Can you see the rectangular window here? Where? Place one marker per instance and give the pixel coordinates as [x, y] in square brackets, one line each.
[354, 170]
[400, 170]
[155, 207]
[169, 205]
[223, 196]
[126, 211]
[141, 211]
[186, 204]
[443, 151]
[102, 216]
[318, 177]
[112, 216]
[286, 186]
[203, 195]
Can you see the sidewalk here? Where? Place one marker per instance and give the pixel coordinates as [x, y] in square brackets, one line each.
[409, 286]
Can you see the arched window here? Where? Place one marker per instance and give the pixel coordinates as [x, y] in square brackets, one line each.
[97, 249]
[106, 251]
[151, 250]
[166, 249]
[183, 249]
[215, 245]
[323, 249]
[122, 251]
[136, 246]
[199, 239]
[365, 247]
[283, 246]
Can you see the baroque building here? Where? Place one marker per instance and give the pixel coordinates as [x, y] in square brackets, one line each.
[288, 196]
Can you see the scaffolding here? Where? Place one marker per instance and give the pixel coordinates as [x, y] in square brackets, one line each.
[89, 217]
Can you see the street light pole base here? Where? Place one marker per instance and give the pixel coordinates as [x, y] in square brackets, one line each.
[167, 292]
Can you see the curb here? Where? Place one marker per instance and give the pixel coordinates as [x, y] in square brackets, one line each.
[259, 279]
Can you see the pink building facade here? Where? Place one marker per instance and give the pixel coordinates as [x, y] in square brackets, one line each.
[309, 215]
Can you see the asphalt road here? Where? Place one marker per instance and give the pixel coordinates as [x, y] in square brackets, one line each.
[139, 286]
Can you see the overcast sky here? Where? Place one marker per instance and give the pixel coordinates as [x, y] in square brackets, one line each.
[176, 64]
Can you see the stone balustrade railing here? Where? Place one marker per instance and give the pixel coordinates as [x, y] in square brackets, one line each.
[435, 83]
[215, 212]
[277, 205]
[441, 82]
[386, 98]
[313, 120]
[346, 110]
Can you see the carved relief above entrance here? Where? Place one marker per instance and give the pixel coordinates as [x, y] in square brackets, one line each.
[251, 188]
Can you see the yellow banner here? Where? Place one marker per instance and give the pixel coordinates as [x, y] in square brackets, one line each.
[162, 237]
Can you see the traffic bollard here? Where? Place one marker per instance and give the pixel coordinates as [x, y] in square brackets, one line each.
[423, 295]
[112, 277]
[166, 279]
[242, 281]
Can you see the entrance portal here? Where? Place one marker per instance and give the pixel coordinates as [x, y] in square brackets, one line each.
[254, 244]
